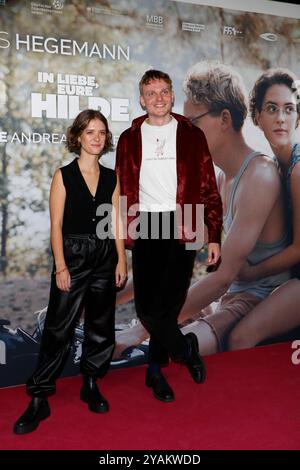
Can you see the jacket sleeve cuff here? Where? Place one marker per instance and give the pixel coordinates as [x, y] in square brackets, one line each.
[214, 236]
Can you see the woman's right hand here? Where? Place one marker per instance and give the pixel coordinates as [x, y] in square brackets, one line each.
[63, 280]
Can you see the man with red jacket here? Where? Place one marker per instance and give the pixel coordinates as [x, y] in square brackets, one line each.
[166, 173]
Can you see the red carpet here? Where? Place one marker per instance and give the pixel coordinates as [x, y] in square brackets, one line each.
[250, 401]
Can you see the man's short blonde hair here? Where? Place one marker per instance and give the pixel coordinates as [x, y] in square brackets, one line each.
[153, 74]
[218, 87]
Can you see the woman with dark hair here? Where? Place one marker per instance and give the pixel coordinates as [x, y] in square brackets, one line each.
[89, 263]
[275, 108]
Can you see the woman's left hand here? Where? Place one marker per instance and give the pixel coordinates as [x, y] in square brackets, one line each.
[121, 273]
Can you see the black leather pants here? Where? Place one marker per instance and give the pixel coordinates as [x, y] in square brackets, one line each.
[91, 263]
[162, 271]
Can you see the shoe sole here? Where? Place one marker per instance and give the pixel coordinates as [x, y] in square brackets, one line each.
[165, 400]
[24, 430]
[95, 408]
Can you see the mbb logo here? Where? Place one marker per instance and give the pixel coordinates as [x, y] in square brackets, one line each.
[154, 19]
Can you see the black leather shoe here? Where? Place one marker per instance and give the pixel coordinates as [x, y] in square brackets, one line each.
[90, 394]
[161, 389]
[194, 363]
[38, 409]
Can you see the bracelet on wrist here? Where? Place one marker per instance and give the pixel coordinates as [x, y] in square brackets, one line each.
[60, 271]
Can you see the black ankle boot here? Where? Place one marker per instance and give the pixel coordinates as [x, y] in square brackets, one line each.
[90, 394]
[37, 410]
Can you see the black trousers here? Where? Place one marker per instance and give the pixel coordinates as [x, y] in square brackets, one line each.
[91, 263]
[162, 270]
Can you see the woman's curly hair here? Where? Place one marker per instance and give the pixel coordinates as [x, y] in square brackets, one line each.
[278, 76]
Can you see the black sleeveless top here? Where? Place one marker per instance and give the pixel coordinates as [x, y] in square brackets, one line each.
[80, 205]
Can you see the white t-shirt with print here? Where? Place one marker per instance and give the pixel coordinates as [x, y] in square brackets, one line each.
[158, 173]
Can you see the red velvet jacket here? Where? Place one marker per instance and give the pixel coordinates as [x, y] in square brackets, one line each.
[196, 183]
